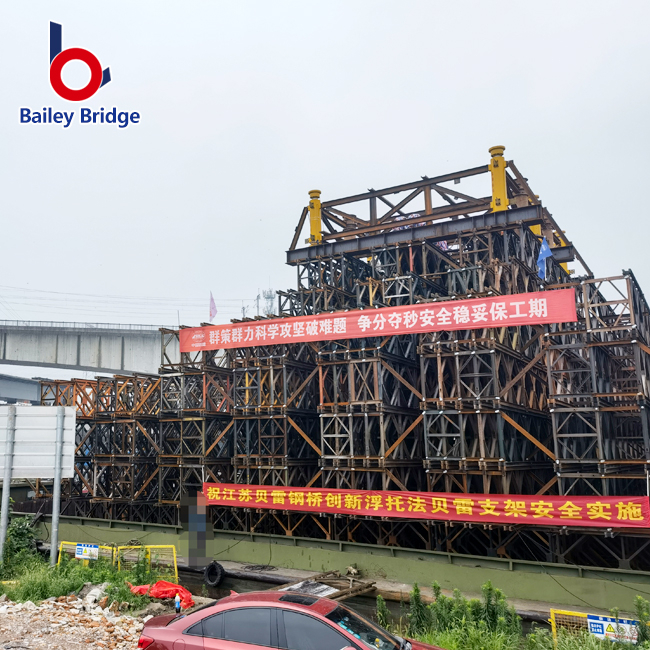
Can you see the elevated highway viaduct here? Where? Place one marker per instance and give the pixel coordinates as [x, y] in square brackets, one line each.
[99, 347]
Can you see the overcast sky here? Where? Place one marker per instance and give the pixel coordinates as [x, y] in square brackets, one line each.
[245, 106]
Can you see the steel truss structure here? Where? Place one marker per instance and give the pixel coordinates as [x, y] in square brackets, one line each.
[515, 410]
[143, 441]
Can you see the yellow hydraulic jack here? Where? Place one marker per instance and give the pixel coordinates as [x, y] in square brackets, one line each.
[315, 224]
[498, 166]
[500, 201]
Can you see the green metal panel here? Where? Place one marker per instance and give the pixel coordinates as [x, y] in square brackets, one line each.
[553, 583]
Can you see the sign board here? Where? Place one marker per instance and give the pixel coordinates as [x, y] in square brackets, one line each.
[35, 441]
[605, 627]
[538, 308]
[86, 552]
[613, 512]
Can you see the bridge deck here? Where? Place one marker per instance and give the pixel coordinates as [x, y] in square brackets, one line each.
[101, 347]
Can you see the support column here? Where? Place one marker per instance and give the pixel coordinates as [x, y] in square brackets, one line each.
[6, 482]
[56, 488]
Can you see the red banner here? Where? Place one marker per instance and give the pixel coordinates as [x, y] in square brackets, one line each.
[475, 313]
[601, 512]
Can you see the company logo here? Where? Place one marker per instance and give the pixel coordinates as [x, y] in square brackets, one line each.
[59, 57]
[98, 78]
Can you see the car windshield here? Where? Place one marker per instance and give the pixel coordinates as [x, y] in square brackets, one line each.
[366, 631]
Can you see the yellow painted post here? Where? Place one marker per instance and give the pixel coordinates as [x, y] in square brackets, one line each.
[315, 225]
[175, 563]
[498, 166]
[553, 627]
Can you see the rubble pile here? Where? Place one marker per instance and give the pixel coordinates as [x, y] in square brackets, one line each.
[68, 622]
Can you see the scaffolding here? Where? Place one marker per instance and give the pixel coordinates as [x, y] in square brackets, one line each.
[535, 409]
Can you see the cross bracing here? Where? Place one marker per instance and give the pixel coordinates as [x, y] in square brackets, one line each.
[535, 409]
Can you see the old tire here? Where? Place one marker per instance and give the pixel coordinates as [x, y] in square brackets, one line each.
[213, 574]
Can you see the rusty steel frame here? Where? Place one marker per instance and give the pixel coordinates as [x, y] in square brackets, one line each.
[531, 409]
[148, 438]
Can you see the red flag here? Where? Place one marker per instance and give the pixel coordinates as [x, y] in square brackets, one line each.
[213, 307]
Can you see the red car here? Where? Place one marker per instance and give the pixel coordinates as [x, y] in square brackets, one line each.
[271, 619]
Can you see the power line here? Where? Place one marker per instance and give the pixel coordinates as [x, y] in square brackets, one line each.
[23, 303]
[112, 296]
[116, 309]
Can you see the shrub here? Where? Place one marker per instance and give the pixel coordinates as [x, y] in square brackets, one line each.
[585, 641]
[118, 590]
[383, 615]
[457, 623]
[20, 546]
[441, 610]
[419, 616]
[497, 614]
[36, 580]
[473, 637]
[642, 611]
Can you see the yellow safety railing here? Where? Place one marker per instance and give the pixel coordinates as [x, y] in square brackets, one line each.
[576, 622]
[107, 552]
[159, 556]
[570, 621]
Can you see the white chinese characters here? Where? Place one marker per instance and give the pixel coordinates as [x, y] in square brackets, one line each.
[492, 313]
[497, 311]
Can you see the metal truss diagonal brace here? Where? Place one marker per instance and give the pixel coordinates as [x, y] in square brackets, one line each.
[525, 433]
[402, 380]
[399, 441]
[300, 388]
[520, 374]
[305, 436]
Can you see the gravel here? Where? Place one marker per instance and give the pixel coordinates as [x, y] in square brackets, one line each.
[68, 623]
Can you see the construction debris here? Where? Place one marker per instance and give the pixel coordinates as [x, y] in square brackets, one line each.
[66, 623]
[329, 585]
